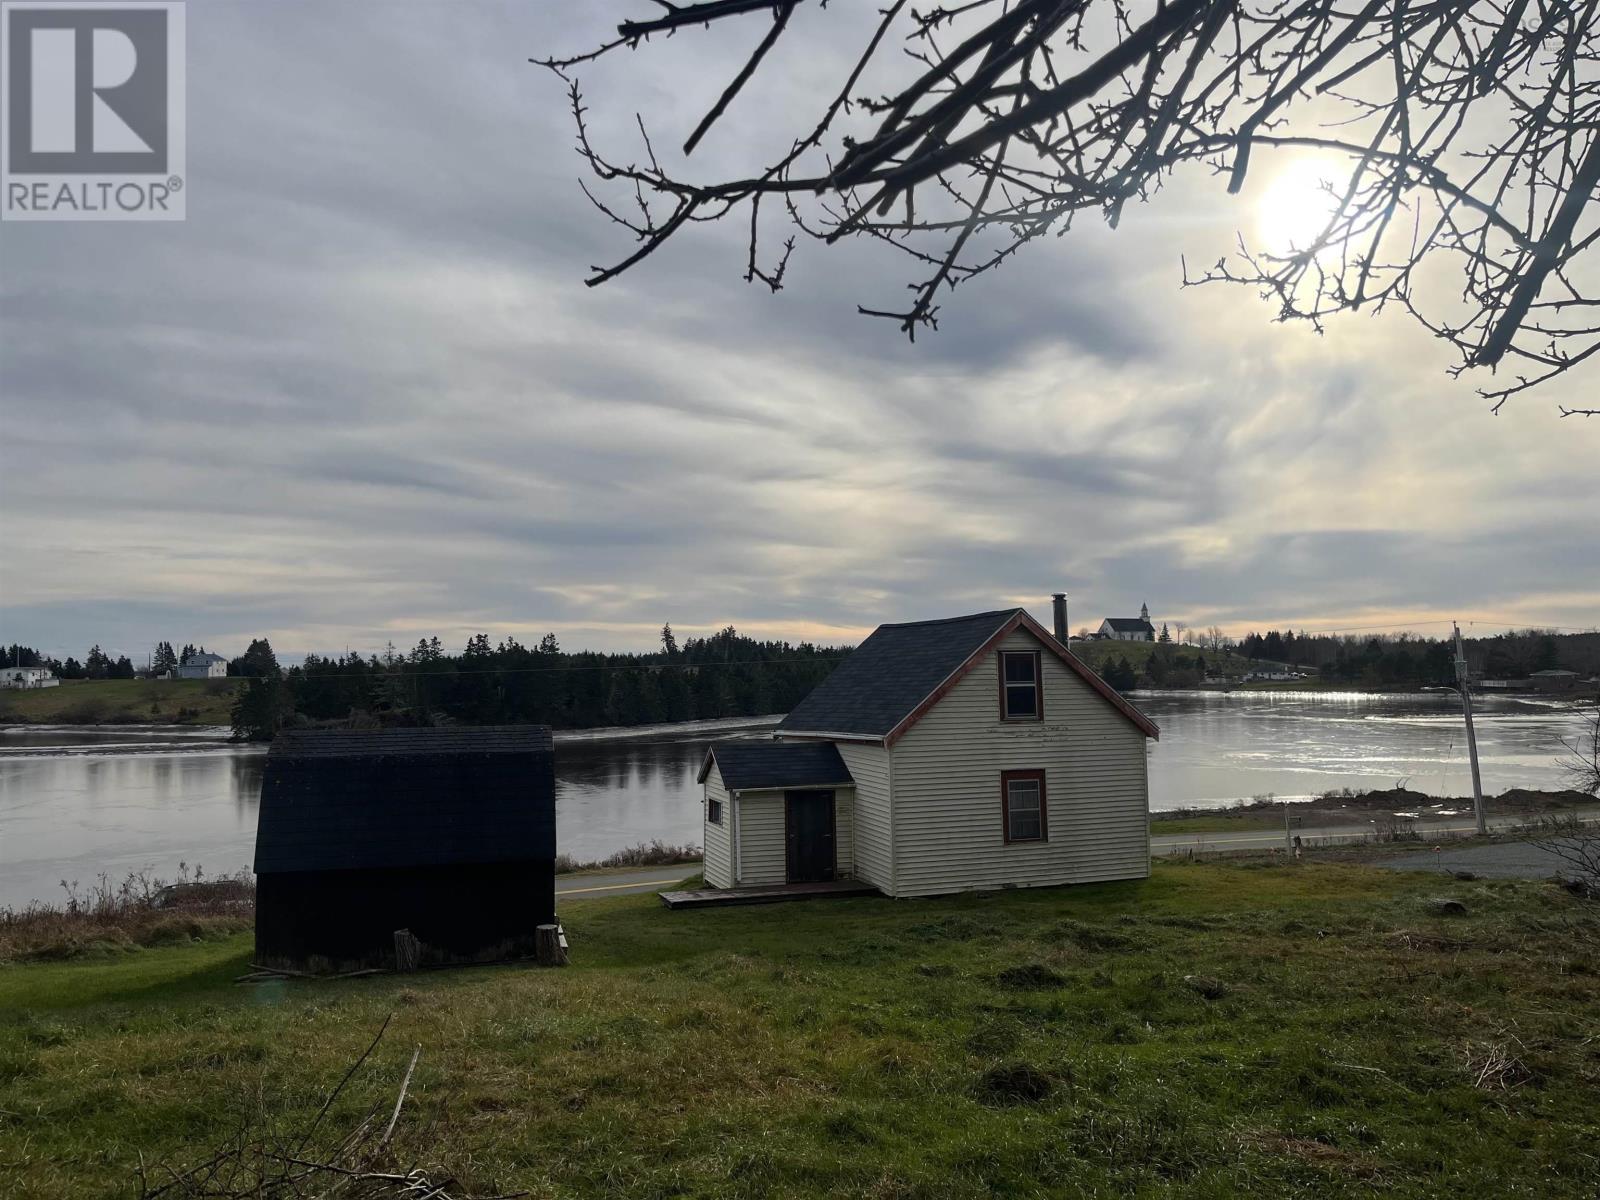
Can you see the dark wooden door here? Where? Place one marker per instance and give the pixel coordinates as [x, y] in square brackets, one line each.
[808, 828]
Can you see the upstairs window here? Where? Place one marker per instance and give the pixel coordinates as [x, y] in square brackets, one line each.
[1021, 686]
[1023, 805]
[714, 811]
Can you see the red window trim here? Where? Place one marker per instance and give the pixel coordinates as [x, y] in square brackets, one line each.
[1005, 807]
[1038, 685]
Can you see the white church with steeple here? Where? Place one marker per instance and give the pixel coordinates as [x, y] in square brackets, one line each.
[1128, 629]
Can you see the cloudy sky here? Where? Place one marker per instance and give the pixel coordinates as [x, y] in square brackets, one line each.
[361, 394]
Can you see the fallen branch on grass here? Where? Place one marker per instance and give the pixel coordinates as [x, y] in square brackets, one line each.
[1494, 1068]
[360, 1164]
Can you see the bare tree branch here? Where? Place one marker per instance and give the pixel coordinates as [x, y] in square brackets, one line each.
[1459, 135]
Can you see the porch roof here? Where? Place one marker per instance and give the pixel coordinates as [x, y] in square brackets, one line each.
[747, 765]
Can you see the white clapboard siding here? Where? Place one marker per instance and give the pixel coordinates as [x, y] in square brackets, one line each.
[844, 839]
[870, 843]
[718, 839]
[762, 853]
[948, 833]
[762, 831]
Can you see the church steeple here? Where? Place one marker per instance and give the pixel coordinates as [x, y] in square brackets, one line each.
[1144, 612]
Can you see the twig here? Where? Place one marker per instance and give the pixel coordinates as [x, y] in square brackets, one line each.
[401, 1098]
[334, 1095]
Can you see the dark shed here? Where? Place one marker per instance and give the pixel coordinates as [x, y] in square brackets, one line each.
[450, 833]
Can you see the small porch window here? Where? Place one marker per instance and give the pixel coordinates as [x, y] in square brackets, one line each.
[1021, 686]
[714, 811]
[1022, 806]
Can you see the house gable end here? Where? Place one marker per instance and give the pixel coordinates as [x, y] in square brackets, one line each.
[1021, 620]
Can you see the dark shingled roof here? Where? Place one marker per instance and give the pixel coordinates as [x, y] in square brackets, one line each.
[746, 765]
[889, 674]
[358, 800]
[1130, 625]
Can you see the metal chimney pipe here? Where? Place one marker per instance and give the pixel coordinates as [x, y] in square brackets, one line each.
[1059, 602]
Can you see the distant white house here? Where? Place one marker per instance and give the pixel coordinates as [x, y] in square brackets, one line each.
[1128, 629]
[204, 666]
[27, 677]
[941, 756]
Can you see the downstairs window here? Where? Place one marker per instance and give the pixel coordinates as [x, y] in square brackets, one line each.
[1022, 805]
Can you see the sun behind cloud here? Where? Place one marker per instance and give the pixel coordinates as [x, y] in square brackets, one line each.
[1294, 207]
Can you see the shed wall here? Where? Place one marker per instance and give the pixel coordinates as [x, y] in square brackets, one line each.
[461, 913]
[844, 833]
[718, 839]
[763, 850]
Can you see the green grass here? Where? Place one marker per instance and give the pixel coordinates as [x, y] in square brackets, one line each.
[1014, 1044]
[124, 702]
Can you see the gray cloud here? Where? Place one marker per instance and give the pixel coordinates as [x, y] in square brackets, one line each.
[362, 394]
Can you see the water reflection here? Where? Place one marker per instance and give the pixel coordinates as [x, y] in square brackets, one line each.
[76, 802]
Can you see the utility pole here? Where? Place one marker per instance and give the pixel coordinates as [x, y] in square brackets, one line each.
[1465, 691]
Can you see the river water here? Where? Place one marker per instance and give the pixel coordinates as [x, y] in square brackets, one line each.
[76, 801]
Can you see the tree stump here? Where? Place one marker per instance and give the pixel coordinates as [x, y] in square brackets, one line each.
[407, 950]
[547, 947]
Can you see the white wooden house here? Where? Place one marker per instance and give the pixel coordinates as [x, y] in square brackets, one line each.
[941, 756]
[203, 666]
[1128, 629]
[27, 677]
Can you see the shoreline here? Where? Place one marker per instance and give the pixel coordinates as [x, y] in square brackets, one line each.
[221, 736]
[1348, 806]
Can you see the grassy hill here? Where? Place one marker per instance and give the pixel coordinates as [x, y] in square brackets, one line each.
[1138, 654]
[1218, 1030]
[123, 702]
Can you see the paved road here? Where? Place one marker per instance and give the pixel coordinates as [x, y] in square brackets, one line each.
[1509, 860]
[599, 884]
[1272, 839]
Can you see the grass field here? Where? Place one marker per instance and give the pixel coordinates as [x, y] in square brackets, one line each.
[1138, 653]
[123, 702]
[1013, 1044]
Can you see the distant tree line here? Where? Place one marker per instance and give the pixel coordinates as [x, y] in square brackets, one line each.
[1166, 668]
[725, 675]
[1404, 659]
[97, 664]
[1380, 662]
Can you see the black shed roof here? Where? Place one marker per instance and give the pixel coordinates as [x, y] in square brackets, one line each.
[359, 800]
[747, 765]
